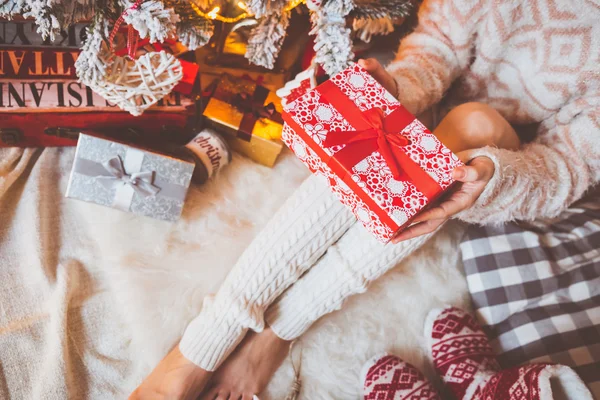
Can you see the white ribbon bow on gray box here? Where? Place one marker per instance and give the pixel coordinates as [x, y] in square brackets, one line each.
[143, 182]
[140, 182]
[127, 178]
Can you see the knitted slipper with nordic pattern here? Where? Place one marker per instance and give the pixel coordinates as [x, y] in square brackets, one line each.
[464, 359]
[460, 351]
[535, 382]
[389, 378]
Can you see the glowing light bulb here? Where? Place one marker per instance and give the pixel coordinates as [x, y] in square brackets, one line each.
[242, 5]
[212, 14]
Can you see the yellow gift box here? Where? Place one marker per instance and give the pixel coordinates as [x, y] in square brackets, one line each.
[250, 117]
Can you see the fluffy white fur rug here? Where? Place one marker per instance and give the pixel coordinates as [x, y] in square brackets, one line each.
[160, 272]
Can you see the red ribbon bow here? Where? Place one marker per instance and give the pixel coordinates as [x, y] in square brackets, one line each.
[375, 132]
[378, 132]
[246, 104]
[359, 144]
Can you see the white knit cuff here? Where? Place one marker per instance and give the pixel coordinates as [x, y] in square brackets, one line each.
[206, 342]
[474, 213]
[320, 291]
[287, 323]
[556, 381]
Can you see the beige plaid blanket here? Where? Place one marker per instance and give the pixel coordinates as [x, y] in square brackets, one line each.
[57, 321]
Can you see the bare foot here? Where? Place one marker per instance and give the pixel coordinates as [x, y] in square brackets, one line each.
[249, 369]
[175, 377]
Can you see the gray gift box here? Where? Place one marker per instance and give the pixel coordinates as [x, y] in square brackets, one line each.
[128, 178]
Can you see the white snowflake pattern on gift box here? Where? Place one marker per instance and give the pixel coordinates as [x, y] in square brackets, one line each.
[374, 175]
[362, 88]
[316, 131]
[342, 191]
[400, 200]
[424, 149]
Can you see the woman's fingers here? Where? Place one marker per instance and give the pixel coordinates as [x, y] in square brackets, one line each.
[419, 229]
[479, 169]
[457, 202]
[377, 71]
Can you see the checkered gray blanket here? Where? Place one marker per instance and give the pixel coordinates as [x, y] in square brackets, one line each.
[536, 288]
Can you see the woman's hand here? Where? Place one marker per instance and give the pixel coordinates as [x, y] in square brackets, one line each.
[373, 67]
[473, 177]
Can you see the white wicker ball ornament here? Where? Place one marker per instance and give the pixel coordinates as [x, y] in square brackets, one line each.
[136, 84]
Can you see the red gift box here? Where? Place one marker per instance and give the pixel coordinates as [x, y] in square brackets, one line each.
[382, 162]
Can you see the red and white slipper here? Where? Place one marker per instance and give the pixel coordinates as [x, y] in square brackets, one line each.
[387, 377]
[460, 350]
[465, 361]
[535, 382]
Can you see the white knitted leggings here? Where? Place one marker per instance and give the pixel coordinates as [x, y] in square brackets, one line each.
[312, 232]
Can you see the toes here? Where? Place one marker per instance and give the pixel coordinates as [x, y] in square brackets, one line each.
[223, 396]
[211, 394]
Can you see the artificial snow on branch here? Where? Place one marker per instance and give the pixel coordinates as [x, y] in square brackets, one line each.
[374, 9]
[51, 16]
[153, 21]
[266, 39]
[193, 31]
[90, 65]
[333, 44]
[262, 8]
[11, 8]
[195, 35]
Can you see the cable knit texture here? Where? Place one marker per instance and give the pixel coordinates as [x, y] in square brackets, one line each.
[535, 61]
[312, 230]
[297, 235]
[347, 268]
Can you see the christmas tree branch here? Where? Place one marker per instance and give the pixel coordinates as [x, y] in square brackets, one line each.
[333, 45]
[374, 9]
[266, 39]
[193, 31]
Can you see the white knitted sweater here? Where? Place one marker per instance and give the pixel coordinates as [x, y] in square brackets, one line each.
[535, 61]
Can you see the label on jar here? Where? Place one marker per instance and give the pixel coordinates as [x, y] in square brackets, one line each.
[211, 149]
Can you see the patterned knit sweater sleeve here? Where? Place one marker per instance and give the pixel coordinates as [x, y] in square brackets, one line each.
[435, 54]
[541, 179]
[545, 177]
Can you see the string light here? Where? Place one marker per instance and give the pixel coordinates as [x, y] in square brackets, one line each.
[214, 13]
